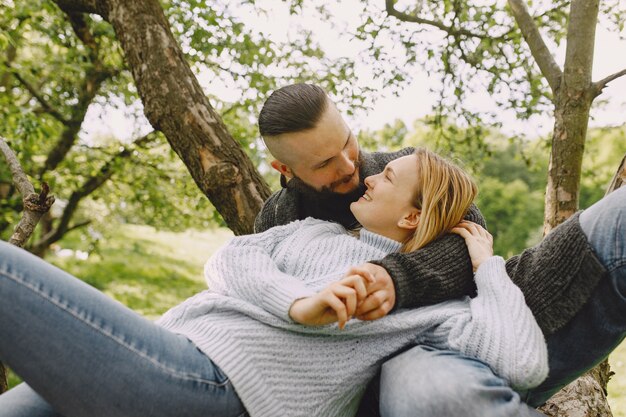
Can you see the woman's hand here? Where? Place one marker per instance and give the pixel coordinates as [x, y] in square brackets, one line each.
[479, 241]
[337, 302]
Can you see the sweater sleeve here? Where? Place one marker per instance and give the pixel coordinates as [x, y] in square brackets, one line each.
[245, 269]
[501, 330]
[440, 271]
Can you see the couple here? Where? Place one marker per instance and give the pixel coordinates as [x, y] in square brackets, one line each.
[260, 341]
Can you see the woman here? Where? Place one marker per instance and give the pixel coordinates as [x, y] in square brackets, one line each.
[263, 339]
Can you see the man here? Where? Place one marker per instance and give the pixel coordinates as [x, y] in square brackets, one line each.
[579, 303]
[322, 172]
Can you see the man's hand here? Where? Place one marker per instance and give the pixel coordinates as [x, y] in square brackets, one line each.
[381, 293]
[335, 303]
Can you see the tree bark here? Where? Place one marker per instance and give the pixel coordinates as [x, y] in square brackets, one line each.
[572, 101]
[585, 397]
[175, 104]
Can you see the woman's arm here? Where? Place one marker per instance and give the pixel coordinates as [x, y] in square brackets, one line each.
[439, 271]
[245, 269]
[500, 329]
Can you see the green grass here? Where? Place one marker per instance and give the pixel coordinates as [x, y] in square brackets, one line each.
[151, 271]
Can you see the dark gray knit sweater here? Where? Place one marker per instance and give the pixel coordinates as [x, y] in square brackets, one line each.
[557, 276]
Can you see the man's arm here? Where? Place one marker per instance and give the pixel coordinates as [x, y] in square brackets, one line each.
[440, 271]
[280, 209]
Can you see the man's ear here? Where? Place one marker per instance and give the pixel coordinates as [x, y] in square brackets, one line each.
[282, 168]
[410, 220]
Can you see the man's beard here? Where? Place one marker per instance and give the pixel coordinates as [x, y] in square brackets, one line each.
[327, 190]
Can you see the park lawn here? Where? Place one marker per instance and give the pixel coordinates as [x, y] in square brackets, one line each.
[151, 271]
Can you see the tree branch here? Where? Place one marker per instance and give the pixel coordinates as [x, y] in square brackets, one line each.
[35, 205]
[538, 48]
[44, 103]
[405, 17]
[581, 32]
[88, 187]
[598, 86]
[98, 7]
[88, 89]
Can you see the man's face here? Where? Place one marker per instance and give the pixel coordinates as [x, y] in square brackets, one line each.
[324, 157]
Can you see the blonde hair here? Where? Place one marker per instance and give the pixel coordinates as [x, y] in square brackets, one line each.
[444, 194]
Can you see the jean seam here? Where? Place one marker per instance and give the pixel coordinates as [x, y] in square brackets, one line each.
[150, 359]
[615, 265]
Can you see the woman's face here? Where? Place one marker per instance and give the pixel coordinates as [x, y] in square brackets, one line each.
[389, 199]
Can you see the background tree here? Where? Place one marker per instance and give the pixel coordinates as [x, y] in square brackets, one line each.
[57, 66]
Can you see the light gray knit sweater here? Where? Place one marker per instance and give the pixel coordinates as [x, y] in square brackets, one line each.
[280, 368]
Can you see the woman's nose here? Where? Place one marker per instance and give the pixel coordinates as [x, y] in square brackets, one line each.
[369, 181]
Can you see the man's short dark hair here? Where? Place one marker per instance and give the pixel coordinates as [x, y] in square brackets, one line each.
[293, 108]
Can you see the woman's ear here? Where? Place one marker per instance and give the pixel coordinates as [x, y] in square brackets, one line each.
[410, 220]
[282, 168]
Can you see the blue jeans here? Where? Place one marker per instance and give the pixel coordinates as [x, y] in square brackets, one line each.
[84, 354]
[425, 382]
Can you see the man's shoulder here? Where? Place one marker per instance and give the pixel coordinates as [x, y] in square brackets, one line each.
[374, 162]
[280, 208]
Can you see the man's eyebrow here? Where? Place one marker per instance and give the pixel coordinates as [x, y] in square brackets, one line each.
[344, 147]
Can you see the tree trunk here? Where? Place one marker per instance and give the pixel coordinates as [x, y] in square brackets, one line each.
[572, 99]
[566, 155]
[175, 104]
[585, 397]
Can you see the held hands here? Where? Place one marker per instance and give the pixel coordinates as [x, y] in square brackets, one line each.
[366, 292]
[479, 241]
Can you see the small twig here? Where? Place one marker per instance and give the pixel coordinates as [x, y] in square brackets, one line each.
[35, 205]
[405, 17]
[599, 85]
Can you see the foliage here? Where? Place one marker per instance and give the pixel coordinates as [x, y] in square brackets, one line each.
[604, 151]
[51, 73]
[511, 174]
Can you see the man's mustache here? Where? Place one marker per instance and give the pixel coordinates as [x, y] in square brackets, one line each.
[346, 179]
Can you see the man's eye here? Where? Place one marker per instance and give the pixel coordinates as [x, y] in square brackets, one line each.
[322, 165]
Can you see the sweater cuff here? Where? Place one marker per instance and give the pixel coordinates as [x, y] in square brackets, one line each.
[282, 294]
[492, 274]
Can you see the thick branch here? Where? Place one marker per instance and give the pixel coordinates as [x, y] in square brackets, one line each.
[581, 32]
[598, 86]
[19, 177]
[83, 6]
[405, 17]
[548, 66]
[175, 104]
[35, 205]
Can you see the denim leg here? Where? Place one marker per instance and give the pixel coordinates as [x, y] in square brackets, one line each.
[424, 381]
[88, 355]
[599, 327]
[22, 401]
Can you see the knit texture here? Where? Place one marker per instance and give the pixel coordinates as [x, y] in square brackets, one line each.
[280, 368]
[440, 271]
[557, 276]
